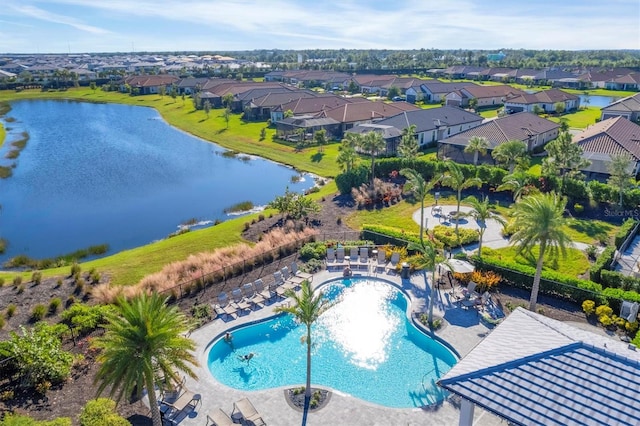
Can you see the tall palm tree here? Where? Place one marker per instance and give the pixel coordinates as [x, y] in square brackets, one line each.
[454, 178]
[510, 153]
[347, 155]
[481, 212]
[420, 188]
[306, 309]
[429, 256]
[516, 183]
[408, 147]
[540, 223]
[478, 145]
[372, 143]
[142, 344]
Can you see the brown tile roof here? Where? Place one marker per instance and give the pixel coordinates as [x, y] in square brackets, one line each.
[313, 105]
[630, 103]
[545, 96]
[612, 136]
[364, 111]
[150, 80]
[491, 91]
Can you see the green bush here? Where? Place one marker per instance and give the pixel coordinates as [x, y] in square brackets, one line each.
[313, 250]
[588, 306]
[83, 318]
[617, 280]
[19, 420]
[38, 312]
[54, 305]
[447, 236]
[36, 278]
[17, 280]
[381, 234]
[601, 192]
[353, 179]
[101, 412]
[578, 208]
[75, 270]
[603, 310]
[624, 231]
[602, 262]
[575, 189]
[37, 354]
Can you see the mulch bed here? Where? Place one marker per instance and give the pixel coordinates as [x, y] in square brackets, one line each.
[67, 400]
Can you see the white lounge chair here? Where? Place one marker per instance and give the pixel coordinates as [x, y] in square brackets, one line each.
[186, 400]
[290, 279]
[219, 418]
[248, 412]
[629, 311]
[363, 260]
[341, 261]
[266, 293]
[393, 262]
[251, 296]
[353, 257]
[238, 300]
[331, 258]
[223, 307]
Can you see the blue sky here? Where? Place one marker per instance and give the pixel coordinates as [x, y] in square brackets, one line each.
[60, 26]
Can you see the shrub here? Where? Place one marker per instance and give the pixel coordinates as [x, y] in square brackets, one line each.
[38, 312]
[11, 310]
[54, 305]
[75, 270]
[602, 262]
[313, 250]
[202, 311]
[313, 266]
[79, 286]
[20, 289]
[58, 283]
[588, 306]
[7, 395]
[17, 280]
[485, 280]
[591, 252]
[448, 237]
[18, 420]
[381, 234]
[605, 320]
[578, 208]
[83, 318]
[1, 281]
[36, 278]
[624, 231]
[101, 412]
[631, 327]
[603, 310]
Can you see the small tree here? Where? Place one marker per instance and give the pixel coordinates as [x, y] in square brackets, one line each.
[227, 115]
[347, 155]
[207, 107]
[481, 212]
[227, 100]
[320, 138]
[93, 86]
[162, 90]
[473, 103]
[620, 169]
[288, 113]
[408, 147]
[455, 179]
[429, 256]
[352, 87]
[393, 92]
[372, 143]
[420, 188]
[537, 109]
[559, 107]
[564, 158]
[510, 153]
[477, 145]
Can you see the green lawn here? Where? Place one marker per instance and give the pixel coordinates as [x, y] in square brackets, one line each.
[429, 106]
[581, 118]
[602, 92]
[3, 134]
[587, 230]
[574, 264]
[489, 112]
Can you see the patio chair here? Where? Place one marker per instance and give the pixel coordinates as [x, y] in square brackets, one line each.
[251, 296]
[393, 262]
[363, 260]
[266, 293]
[223, 307]
[219, 418]
[238, 300]
[341, 261]
[331, 258]
[296, 272]
[353, 257]
[186, 400]
[381, 260]
[470, 290]
[248, 412]
[289, 279]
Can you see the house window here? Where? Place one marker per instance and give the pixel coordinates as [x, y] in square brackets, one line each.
[449, 131]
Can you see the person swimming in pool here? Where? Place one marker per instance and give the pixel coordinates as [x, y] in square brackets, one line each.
[246, 357]
[228, 337]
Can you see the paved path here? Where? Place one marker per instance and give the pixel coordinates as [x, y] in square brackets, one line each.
[493, 229]
[628, 261]
[463, 331]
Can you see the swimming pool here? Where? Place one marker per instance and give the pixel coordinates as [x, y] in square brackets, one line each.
[364, 346]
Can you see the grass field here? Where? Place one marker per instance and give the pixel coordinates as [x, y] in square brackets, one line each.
[574, 264]
[580, 119]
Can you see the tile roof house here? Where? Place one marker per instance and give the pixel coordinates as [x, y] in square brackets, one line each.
[486, 95]
[306, 106]
[628, 108]
[533, 370]
[535, 131]
[364, 112]
[149, 84]
[390, 134]
[613, 136]
[545, 99]
[433, 90]
[433, 124]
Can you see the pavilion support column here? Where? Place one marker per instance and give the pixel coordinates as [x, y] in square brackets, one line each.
[466, 413]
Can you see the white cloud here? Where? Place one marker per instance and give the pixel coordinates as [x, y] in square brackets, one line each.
[37, 13]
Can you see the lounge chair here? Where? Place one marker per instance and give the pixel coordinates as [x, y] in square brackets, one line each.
[186, 400]
[287, 284]
[331, 258]
[341, 261]
[291, 279]
[251, 296]
[363, 260]
[248, 412]
[296, 272]
[353, 257]
[381, 260]
[393, 262]
[223, 307]
[266, 293]
[219, 418]
[238, 300]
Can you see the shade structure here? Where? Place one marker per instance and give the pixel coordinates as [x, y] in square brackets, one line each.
[460, 266]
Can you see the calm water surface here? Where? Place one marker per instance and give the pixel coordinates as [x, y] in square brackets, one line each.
[104, 173]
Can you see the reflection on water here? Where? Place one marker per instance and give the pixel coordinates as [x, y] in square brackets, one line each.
[361, 324]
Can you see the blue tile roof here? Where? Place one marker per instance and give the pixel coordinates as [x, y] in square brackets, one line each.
[574, 384]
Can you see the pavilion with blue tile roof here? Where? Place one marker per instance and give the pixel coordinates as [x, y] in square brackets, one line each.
[533, 370]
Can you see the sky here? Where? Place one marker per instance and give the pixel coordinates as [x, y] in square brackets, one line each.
[79, 26]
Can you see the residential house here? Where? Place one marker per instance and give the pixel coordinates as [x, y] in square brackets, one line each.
[613, 136]
[149, 84]
[352, 114]
[529, 128]
[461, 71]
[545, 99]
[628, 108]
[629, 81]
[433, 91]
[311, 106]
[6, 75]
[390, 134]
[599, 78]
[434, 124]
[188, 86]
[259, 108]
[288, 127]
[486, 96]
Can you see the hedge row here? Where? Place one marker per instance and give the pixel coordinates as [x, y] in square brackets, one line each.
[447, 235]
[613, 279]
[381, 234]
[624, 231]
[602, 262]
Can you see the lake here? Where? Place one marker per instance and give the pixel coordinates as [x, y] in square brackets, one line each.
[597, 101]
[119, 175]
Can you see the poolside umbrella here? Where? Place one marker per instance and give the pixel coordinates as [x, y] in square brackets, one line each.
[460, 266]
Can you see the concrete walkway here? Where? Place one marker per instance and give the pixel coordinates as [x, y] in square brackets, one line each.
[493, 229]
[463, 330]
[628, 261]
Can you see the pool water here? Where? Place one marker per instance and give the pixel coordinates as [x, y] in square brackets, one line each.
[364, 345]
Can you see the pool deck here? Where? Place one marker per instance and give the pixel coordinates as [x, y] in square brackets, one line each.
[463, 330]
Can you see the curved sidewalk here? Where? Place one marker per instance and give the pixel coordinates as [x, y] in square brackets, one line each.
[463, 331]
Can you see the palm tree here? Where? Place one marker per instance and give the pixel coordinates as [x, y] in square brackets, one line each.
[516, 183]
[408, 147]
[454, 178]
[481, 212]
[540, 222]
[420, 188]
[143, 343]
[510, 153]
[428, 258]
[372, 143]
[620, 170]
[477, 145]
[347, 155]
[306, 309]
